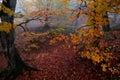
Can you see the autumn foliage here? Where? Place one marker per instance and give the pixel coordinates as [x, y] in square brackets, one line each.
[89, 43]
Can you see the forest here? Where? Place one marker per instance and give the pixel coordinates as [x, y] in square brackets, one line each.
[59, 40]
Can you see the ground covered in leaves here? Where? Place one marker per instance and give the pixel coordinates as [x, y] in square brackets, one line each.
[56, 63]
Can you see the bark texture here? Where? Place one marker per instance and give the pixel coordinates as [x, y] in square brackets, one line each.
[15, 64]
[106, 27]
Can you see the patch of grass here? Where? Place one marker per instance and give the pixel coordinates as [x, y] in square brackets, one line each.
[33, 46]
[58, 30]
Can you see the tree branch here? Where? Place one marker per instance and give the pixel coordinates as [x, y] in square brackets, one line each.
[27, 21]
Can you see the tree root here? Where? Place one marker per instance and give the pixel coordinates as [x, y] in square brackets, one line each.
[12, 74]
[15, 67]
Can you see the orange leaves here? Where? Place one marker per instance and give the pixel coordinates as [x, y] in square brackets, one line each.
[59, 38]
[71, 18]
[74, 41]
[5, 26]
[52, 41]
[104, 67]
[97, 8]
[98, 19]
[66, 41]
[95, 49]
[90, 39]
[87, 38]
[74, 38]
[92, 55]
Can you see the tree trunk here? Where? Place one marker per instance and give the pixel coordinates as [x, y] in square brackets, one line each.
[15, 64]
[106, 27]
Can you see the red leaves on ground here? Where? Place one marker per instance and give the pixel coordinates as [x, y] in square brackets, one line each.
[56, 63]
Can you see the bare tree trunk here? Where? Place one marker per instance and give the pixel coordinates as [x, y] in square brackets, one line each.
[15, 64]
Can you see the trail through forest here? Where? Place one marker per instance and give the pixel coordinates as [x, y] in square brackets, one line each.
[56, 63]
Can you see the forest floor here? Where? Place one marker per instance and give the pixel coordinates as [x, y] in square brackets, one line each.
[56, 63]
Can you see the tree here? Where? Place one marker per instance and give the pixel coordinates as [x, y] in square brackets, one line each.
[103, 8]
[97, 11]
[49, 9]
[15, 63]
